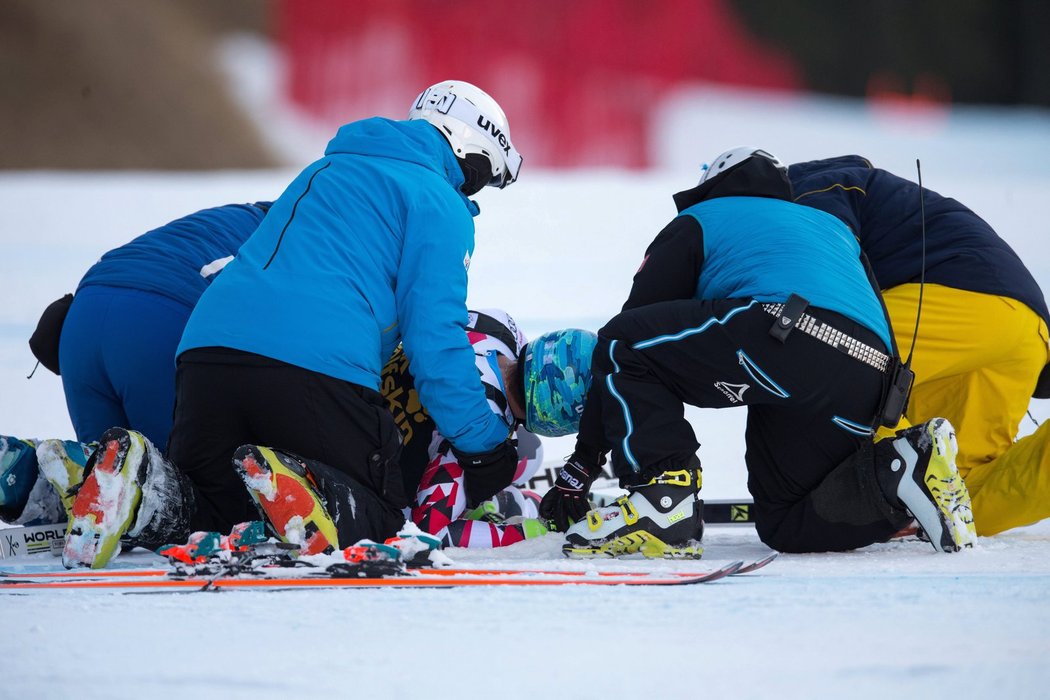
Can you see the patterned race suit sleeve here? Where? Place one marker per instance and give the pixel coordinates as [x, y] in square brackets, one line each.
[428, 464]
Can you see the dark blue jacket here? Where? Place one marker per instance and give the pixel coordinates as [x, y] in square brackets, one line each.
[179, 259]
[962, 250]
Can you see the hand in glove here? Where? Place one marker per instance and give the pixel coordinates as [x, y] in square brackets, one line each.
[487, 473]
[566, 502]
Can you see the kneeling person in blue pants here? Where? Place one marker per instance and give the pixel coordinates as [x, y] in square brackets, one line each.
[115, 347]
[113, 344]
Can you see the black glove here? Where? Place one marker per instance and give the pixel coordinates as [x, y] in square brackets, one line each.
[566, 502]
[487, 473]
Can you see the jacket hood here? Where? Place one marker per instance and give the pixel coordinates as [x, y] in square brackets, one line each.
[413, 141]
[755, 177]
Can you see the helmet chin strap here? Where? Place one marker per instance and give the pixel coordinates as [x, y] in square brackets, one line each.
[514, 384]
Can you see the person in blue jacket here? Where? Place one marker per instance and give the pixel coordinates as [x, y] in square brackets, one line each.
[116, 354]
[367, 248]
[113, 344]
[748, 299]
[981, 351]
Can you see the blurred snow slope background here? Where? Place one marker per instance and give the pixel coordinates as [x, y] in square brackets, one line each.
[557, 249]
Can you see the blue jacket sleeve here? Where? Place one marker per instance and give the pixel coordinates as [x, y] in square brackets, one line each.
[431, 304]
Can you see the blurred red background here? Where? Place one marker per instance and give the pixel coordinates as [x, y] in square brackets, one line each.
[578, 80]
[200, 84]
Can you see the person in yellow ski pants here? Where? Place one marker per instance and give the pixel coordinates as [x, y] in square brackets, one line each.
[981, 352]
[976, 361]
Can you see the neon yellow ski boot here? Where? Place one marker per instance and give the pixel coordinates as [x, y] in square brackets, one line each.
[663, 518]
[929, 484]
[285, 492]
[107, 503]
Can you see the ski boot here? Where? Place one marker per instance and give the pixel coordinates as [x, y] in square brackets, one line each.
[485, 533]
[509, 517]
[511, 502]
[62, 463]
[918, 467]
[108, 499]
[288, 498]
[18, 473]
[663, 518]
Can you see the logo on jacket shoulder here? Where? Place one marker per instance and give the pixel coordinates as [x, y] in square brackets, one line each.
[466, 261]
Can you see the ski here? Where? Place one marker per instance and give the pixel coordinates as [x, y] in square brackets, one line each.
[48, 539]
[745, 568]
[756, 565]
[6, 577]
[448, 578]
[728, 512]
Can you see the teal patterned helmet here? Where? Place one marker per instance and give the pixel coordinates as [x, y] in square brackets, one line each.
[557, 374]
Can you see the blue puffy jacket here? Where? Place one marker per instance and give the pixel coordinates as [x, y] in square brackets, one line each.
[179, 259]
[368, 247]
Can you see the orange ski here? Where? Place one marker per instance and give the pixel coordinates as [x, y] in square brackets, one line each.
[448, 578]
[90, 574]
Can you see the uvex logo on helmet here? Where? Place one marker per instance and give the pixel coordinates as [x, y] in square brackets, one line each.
[473, 124]
[497, 134]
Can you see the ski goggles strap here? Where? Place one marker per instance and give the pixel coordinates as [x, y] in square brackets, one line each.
[466, 112]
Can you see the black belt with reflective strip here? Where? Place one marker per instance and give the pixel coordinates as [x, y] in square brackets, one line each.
[835, 338]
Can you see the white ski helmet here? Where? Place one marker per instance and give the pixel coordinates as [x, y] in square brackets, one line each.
[473, 123]
[736, 156]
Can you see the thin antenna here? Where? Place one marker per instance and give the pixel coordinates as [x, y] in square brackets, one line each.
[902, 378]
[922, 273]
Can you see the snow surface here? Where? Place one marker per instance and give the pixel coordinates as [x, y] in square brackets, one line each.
[558, 249]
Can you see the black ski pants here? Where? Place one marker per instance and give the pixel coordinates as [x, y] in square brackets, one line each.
[810, 408]
[226, 398]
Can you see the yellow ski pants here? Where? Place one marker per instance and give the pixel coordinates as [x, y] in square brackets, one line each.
[976, 362]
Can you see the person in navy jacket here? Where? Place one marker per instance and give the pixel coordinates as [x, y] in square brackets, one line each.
[982, 347]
